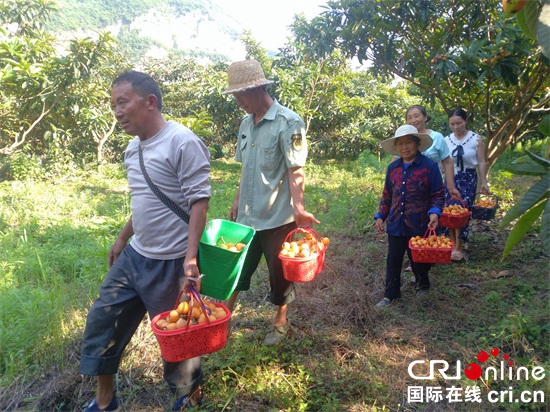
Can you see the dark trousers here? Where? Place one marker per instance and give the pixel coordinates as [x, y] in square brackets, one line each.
[397, 246]
[268, 243]
[134, 286]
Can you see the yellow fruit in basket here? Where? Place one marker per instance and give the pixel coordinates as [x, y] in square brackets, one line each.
[183, 308]
[181, 323]
[233, 249]
[195, 312]
[223, 246]
[486, 203]
[219, 313]
[170, 326]
[454, 210]
[173, 316]
[240, 246]
[160, 323]
[304, 247]
[202, 318]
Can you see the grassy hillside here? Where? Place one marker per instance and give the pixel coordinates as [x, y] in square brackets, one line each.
[98, 14]
[341, 354]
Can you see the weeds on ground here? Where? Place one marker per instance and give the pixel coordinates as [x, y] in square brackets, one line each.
[341, 354]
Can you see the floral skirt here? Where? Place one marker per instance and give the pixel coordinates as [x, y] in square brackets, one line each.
[466, 184]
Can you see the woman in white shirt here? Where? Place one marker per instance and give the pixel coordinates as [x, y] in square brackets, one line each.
[468, 156]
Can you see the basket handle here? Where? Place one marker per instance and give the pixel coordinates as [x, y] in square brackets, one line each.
[193, 295]
[431, 232]
[464, 205]
[303, 230]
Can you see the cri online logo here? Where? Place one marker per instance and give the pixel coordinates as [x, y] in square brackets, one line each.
[474, 371]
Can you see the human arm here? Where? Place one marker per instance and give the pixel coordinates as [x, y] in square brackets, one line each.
[434, 221]
[482, 167]
[234, 210]
[437, 193]
[197, 222]
[296, 182]
[121, 241]
[449, 171]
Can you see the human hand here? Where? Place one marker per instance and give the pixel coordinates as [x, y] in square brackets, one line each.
[455, 194]
[192, 277]
[380, 225]
[434, 221]
[233, 211]
[115, 251]
[485, 189]
[305, 219]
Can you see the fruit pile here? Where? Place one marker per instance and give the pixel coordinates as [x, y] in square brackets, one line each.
[177, 318]
[233, 247]
[455, 210]
[304, 247]
[432, 241]
[487, 203]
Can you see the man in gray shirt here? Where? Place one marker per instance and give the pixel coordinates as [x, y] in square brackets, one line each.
[147, 273]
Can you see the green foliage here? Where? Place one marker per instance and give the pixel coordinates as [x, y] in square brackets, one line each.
[49, 102]
[468, 57]
[341, 355]
[534, 204]
[23, 167]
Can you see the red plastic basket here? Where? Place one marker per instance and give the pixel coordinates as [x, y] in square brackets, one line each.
[431, 254]
[193, 340]
[455, 221]
[303, 269]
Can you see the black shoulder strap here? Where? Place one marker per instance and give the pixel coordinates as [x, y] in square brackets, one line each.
[163, 198]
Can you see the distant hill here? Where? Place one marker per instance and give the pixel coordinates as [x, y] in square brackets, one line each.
[196, 28]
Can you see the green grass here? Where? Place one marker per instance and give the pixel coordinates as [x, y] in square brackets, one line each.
[341, 355]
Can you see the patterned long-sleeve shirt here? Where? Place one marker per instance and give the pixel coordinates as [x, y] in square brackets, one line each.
[411, 193]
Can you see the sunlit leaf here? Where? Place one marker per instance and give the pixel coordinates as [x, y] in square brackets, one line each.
[522, 226]
[535, 194]
[511, 215]
[527, 19]
[540, 160]
[527, 168]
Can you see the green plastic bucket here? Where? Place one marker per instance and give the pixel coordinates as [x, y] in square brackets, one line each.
[222, 267]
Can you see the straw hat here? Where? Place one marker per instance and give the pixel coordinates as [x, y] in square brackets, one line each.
[243, 75]
[389, 144]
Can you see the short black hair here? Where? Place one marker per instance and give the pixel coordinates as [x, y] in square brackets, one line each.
[141, 82]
